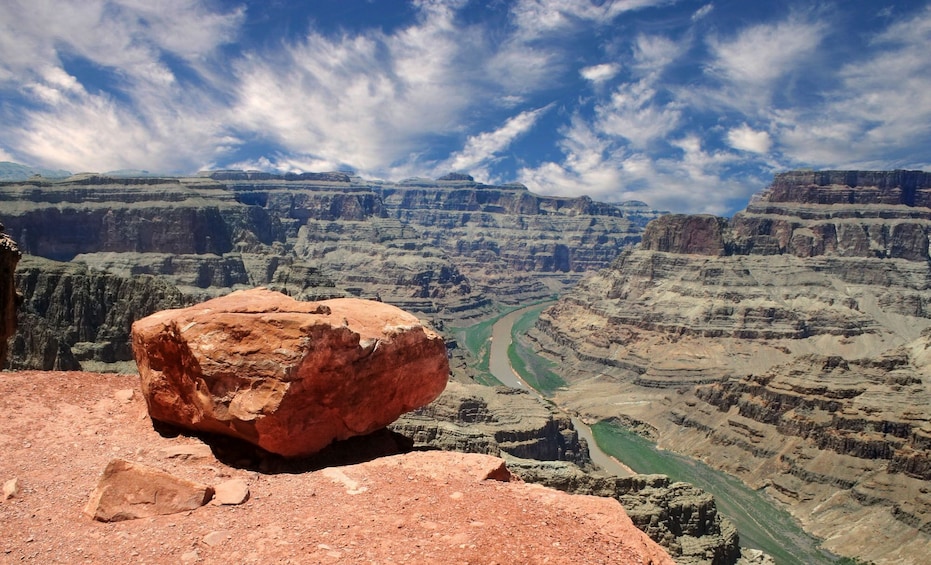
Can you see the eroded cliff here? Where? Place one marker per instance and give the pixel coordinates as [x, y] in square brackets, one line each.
[787, 346]
[446, 249]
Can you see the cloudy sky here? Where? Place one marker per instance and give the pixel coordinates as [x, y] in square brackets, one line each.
[686, 105]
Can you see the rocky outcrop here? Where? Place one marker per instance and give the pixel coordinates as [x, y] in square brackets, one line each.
[541, 446]
[678, 516]
[786, 346]
[686, 234]
[417, 507]
[290, 377]
[75, 317]
[495, 421]
[9, 298]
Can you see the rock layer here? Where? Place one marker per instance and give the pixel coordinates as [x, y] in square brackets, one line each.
[445, 249]
[787, 346]
[287, 376]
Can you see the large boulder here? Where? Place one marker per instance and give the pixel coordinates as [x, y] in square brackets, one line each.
[288, 376]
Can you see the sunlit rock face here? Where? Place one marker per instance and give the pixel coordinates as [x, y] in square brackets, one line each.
[288, 376]
[787, 345]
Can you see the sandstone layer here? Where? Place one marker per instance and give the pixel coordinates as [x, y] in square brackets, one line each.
[288, 376]
[787, 346]
[420, 507]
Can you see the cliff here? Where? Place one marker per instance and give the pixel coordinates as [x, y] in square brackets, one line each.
[9, 298]
[786, 345]
[541, 446]
[445, 249]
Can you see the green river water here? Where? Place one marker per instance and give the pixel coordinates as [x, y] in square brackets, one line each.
[761, 523]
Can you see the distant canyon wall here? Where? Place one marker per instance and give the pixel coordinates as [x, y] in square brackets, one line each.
[445, 249]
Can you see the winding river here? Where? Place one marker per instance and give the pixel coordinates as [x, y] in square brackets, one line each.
[777, 533]
[500, 367]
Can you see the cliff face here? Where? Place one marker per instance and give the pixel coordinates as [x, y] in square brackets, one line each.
[444, 249]
[787, 346]
[9, 299]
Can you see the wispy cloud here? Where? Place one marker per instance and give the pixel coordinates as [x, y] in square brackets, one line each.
[684, 105]
[600, 73]
[485, 146]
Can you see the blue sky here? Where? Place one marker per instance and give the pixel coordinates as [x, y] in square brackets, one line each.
[689, 106]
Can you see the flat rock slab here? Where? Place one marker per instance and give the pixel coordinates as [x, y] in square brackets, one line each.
[128, 491]
[288, 376]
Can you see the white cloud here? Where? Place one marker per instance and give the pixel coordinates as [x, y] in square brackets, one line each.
[761, 54]
[484, 146]
[746, 138]
[878, 111]
[652, 53]
[702, 12]
[634, 113]
[600, 73]
[537, 18]
[367, 100]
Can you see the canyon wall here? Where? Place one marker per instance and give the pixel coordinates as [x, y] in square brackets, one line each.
[787, 346]
[445, 249]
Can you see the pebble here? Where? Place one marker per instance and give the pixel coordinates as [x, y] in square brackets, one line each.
[10, 488]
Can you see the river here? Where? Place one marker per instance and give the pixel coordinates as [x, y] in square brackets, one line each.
[500, 366]
[777, 533]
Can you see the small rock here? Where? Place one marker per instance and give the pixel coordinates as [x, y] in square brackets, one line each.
[190, 556]
[184, 452]
[10, 488]
[233, 491]
[124, 395]
[216, 538]
[127, 491]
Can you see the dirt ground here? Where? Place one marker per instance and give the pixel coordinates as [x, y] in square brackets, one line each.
[355, 504]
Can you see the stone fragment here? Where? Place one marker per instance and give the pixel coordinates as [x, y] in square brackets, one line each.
[124, 395]
[215, 538]
[231, 492]
[127, 491]
[11, 488]
[288, 376]
[185, 452]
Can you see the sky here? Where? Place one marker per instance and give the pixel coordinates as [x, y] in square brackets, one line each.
[689, 106]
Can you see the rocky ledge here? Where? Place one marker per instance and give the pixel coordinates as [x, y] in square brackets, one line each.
[787, 345]
[419, 507]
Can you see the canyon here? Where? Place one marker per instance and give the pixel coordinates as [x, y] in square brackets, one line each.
[787, 346]
[100, 251]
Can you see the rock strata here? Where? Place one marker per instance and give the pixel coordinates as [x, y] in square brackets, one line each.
[787, 346]
[287, 376]
[446, 249]
[495, 421]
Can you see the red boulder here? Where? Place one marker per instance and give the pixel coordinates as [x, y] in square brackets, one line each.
[288, 376]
